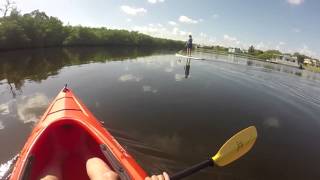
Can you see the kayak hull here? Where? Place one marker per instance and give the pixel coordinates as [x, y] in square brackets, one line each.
[65, 137]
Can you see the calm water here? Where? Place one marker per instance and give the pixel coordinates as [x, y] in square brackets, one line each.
[169, 118]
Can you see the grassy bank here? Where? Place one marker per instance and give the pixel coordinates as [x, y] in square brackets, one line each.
[244, 55]
[312, 68]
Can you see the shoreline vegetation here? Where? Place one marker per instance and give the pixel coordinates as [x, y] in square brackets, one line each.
[38, 30]
[259, 55]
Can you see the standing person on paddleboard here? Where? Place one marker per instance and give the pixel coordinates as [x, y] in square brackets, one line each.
[189, 45]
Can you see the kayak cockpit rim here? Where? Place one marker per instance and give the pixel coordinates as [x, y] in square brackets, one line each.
[106, 151]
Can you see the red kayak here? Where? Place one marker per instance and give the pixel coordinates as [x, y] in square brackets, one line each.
[70, 134]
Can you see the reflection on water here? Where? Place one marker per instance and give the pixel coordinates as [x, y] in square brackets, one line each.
[272, 122]
[29, 109]
[187, 68]
[147, 88]
[37, 65]
[1, 125]
[25, 109]
[167, 114]
[129, 77]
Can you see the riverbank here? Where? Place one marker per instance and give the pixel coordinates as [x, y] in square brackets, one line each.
[244, 55]
[248, 56]
[38, 30]
[312, 68]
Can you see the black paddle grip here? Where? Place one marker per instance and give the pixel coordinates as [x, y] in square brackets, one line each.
[192, 169]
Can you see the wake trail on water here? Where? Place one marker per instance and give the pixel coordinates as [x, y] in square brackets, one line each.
[6, 168]
[284, 82]
[153, 160]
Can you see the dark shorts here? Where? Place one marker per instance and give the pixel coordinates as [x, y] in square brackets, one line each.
[189, 46]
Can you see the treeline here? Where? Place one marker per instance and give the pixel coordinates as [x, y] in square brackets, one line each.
[216, 48]
[269, 54]
[264, 55]
[38, 30]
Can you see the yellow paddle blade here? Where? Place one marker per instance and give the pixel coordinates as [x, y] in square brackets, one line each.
[236, 146]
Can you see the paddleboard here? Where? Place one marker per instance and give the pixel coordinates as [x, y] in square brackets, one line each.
[189, 57]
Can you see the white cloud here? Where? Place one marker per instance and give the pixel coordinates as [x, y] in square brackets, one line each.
[296, 30]
[215, 16]
[129, 77]
[155, 1]
[128, 20]
[203, 35]
[295, 2]
[261, 46]
[307, 51]
[183, 33]
[230, 41]
[132, 10]
[281, 43]
[172, 23]
[205, 39]
[229, 38]
[175, 30]
[187, 20]
[158, 30]
[280, 46]
[152, 30]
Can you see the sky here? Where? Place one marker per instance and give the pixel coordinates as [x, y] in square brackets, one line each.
[286, 25]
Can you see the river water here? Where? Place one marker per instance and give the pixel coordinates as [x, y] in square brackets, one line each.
[170, 113]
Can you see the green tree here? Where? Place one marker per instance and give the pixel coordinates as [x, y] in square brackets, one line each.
[251, 50]
[36, 29]
[12, 33]
[300, 57]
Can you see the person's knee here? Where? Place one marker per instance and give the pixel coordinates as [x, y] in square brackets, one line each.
[50, 177]
[97, 169]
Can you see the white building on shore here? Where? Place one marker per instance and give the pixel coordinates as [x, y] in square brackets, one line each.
[234, 50]
[286, 60]
[312, 62]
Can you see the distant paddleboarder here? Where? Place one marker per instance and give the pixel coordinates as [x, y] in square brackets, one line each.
[189, 45]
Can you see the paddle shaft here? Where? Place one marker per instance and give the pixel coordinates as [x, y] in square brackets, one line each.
[191, 170]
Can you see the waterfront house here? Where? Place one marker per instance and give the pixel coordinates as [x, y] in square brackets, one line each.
[307, 61]
[234, 50]
[286, 60]
[311, 62]
[315, 62]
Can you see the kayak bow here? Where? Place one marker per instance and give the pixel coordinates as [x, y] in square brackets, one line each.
[66, 136]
